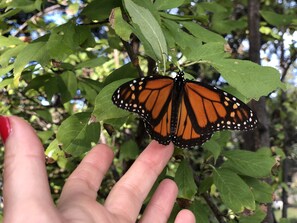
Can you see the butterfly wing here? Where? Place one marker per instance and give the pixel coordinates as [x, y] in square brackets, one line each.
[211, 109]
[151, 98]
[185, 133]
[200, 111]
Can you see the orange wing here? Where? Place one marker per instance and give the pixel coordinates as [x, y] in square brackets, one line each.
[189, 121]
[204, 109]
[151, 98]
[211, 109]
[185, 134]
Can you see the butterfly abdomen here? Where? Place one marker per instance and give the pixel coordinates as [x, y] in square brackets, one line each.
[177, 93]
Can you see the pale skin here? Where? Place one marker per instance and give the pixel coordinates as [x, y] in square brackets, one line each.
[27, 195]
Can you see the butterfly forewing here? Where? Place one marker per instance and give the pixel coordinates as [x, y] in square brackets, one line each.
[149, 97]
[212, 109]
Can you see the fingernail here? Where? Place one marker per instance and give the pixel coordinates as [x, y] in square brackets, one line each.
[4, 128]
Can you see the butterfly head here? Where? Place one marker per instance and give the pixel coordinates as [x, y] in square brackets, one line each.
[179, 77]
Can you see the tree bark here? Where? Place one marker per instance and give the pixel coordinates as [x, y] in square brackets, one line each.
[259, 137]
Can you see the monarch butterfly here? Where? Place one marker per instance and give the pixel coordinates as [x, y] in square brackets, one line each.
[183, 111]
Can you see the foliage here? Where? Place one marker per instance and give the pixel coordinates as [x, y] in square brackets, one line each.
[58, 71]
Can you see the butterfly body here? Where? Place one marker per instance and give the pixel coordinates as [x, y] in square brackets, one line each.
[183, 111]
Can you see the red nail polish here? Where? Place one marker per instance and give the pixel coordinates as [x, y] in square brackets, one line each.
[4, 128]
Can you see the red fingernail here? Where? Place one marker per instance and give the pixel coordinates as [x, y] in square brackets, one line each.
[4, 128]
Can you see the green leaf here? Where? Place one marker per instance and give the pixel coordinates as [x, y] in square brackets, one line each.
[87, 91]
[5, 70]
[96, 62]
[129, 150]
[53, 151]
[26, 5]
[9, 14]
[284, 220]
[35, 51]
[67, 84]
[5, 57]
[263, 192]
[5, 82]
[51, 88]
[208, 51]
[76, 133]
[38, 82]
[277, 19]
[258, 216]
[213, 147]
[117, 123]
[235, 193]
[121, 27]
[202, 33]
[44, 114]
[44, 136]
[249, 163]
[200, 211]
[148, 25]
[100, 9]
[185, 182]
[214, 7]
[227, 26]
[104, 107]
[205, 185]
[168, 4]
[62, 34]
[96, 85]
[83, 37]
[250, 79]
[184, 40]
[10, 41]
[125, 71]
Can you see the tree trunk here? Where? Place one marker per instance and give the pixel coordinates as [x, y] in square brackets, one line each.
[259, 137]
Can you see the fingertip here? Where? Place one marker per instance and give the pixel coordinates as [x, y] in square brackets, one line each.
[185, 215]
[155, 145]
[21, 132]
[5, 128]
[102, 148]
[168, 183]
[99, 153]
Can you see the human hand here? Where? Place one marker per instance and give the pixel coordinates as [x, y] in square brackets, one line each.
[27, 196]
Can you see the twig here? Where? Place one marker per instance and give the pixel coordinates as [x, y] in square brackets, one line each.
[134, 59]
[219, 216]
[288, 64]
[39, 14]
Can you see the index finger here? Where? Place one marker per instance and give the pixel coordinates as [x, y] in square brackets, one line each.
[25, 176]
[127, 196]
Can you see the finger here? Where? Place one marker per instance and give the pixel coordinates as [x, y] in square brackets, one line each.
[161, 204]
[185, 216]
[86, 178]
[25, 176]
[127, 196]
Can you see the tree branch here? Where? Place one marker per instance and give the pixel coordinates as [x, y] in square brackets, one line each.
[287, 65]
[33, 18]
[219, 216]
